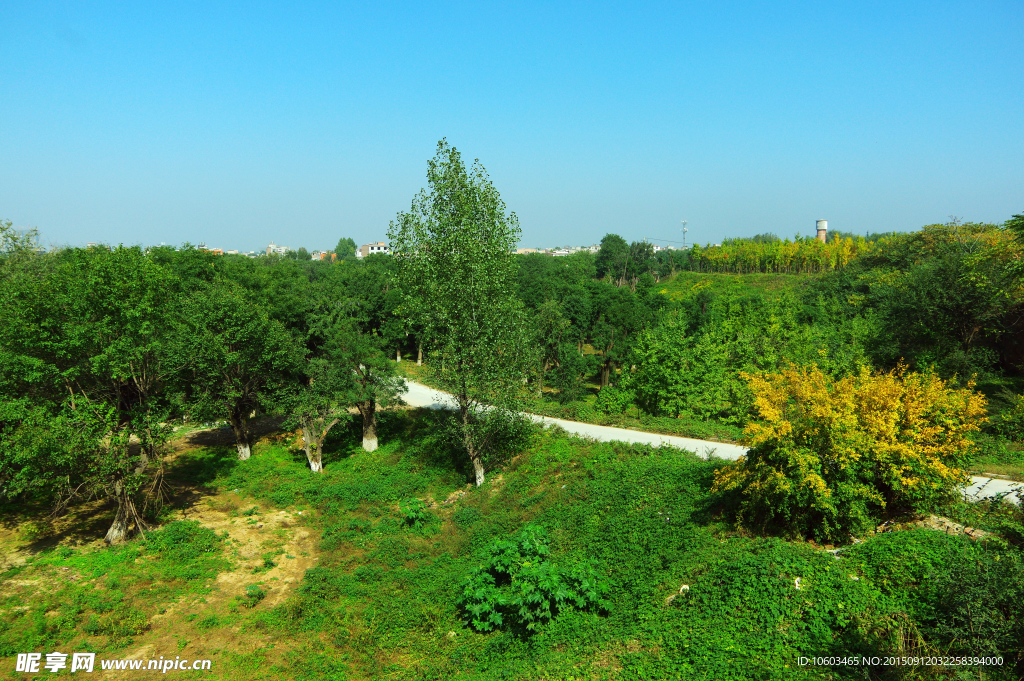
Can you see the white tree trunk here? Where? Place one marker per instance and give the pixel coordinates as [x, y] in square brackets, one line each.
[398, 355]
[368, 410]
[478, 468]
[118, 531]
[244, 451]
[312, 448]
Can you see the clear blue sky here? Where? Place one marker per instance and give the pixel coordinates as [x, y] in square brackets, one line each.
[241, 124]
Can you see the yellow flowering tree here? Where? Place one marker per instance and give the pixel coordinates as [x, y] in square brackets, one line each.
[827, 456]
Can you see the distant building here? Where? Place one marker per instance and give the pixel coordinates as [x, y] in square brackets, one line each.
[524, 251]
[231, 252]
[274, 248]
[372, 249]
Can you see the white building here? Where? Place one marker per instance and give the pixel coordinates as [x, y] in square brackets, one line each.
[274, 248]
[372, 249]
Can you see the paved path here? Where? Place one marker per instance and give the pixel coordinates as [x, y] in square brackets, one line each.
[423, 396]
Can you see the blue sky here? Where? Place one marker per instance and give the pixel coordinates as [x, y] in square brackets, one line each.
[240, 124]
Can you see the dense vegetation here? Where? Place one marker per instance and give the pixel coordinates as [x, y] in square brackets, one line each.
[852, 368]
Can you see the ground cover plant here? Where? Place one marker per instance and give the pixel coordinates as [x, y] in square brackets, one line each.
[678, 591]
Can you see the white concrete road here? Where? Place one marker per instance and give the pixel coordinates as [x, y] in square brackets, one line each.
[423, 396]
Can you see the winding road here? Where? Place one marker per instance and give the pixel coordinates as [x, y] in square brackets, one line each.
[420, 395]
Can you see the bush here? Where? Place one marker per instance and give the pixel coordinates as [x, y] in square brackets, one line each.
[827, 456]
[253, 595]
[519, 587]
[1010, 423]
[414, 512]
[613, 400]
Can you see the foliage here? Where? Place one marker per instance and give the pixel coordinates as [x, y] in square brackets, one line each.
[827, 456]
[614, 400]
[454, 253]
[346, 248]
[803, 255]
[1010, 422]
[571, 373]
[253, 595]
[232, 360]
[519, 586]
[414, 511]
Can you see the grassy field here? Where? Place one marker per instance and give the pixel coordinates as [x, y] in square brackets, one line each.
[683, 285]
[273, 572]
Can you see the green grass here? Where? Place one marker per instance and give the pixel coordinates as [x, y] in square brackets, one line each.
[383, 601]
[689, 596]
[106, 594]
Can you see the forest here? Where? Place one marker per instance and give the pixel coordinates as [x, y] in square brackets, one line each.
[208, 456]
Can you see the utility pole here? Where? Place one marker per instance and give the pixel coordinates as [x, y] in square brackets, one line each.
[684, 234]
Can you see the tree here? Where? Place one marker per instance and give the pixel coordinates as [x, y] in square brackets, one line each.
[374, 383]
[316, 406]
[550, 325]
[612, 258]
[90, 331]
[346, 248]
[231, 359]
[345, 365]
[455, 253]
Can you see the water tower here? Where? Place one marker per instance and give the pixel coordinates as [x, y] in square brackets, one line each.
[822, 230]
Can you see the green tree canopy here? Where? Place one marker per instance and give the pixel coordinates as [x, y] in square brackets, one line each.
[455, 253]
[346, 248]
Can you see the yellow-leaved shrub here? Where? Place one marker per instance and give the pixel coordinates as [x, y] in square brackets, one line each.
[828, 456]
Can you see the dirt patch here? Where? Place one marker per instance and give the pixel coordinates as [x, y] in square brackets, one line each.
[933, 522]
[269, 550]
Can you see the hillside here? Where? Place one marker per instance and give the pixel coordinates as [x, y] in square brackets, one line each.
[268, 570]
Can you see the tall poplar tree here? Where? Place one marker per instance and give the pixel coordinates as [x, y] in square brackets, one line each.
[455, 254]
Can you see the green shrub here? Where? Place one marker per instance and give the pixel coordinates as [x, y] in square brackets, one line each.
[253, 595]
[413, 512]
[518, 586]
[208, 622]
[977, 607]
[612, 400]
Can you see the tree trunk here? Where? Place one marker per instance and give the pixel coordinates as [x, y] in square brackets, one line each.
[312, 449]
[419, 352]
[240, 427]
[606, 372]
[478, 464]
[368, 410]
[478, 470]
[118, 531]
[398, 355]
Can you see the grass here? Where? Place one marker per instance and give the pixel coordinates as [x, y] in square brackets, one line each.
[378, 597]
